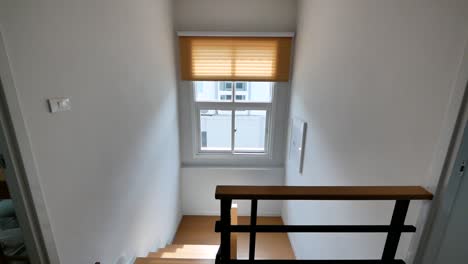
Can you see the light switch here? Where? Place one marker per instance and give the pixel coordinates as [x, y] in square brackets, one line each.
[59, 104]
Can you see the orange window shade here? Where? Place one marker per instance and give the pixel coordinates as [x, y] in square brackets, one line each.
[235, 58]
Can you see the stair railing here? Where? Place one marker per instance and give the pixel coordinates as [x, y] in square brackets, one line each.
[234, 235]
[401, 194]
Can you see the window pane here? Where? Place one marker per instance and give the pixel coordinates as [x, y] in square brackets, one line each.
[212, 91]
[241, 86]
[226, 86]
[250, 131]
[225, 97]
[215, 130]
[205, 91]
[257, 92]
[240, 97]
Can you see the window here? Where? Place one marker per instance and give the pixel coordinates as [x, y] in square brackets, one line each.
[241, 86]
[226, 86]
[233, 121]
[240, 97]
[225, 97]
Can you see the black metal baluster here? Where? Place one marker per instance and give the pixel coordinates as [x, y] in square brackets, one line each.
[225, 232]
[396, 226]
[253, 223]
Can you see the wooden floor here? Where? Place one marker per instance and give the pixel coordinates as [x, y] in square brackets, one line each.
[199, 230]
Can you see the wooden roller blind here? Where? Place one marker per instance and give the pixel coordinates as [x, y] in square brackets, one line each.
[235, 58]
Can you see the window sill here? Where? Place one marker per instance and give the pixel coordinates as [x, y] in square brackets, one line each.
[233, 168]
[232, 156]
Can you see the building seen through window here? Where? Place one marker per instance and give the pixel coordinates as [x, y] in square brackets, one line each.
[240, 124]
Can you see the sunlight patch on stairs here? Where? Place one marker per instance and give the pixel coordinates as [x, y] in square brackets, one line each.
[173, 261]
[187, 252]
[181, 254]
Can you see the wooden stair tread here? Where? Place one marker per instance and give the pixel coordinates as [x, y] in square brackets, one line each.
[173, 261]
[183, 255]
[179, 251]
[208, 249]
[192, 247]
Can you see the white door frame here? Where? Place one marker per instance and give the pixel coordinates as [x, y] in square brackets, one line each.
[23, 180]
[439, 215]
[435, 215]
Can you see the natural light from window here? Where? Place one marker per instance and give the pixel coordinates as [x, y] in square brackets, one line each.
[233, 116]
[223, 91]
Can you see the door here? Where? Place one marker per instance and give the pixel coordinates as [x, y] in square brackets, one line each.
[20, 237]
[454, 246]
[14, 238]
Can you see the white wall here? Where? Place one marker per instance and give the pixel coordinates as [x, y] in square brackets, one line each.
[199, 185]
[109, 168]
[373, 81]
[242, 16]
[237, 15]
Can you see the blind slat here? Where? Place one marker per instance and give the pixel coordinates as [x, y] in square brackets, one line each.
[235, 58]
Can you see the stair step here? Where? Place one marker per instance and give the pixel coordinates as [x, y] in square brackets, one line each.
[182, 255]
[193, 248]
[173, 261]
[186, 252]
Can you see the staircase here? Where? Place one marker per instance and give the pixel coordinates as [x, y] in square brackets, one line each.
[181, 254]
[201, 247]
[191, 253]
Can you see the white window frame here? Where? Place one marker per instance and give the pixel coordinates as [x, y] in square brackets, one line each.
[232, 105]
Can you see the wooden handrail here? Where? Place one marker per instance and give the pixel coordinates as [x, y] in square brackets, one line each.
[323, 193]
